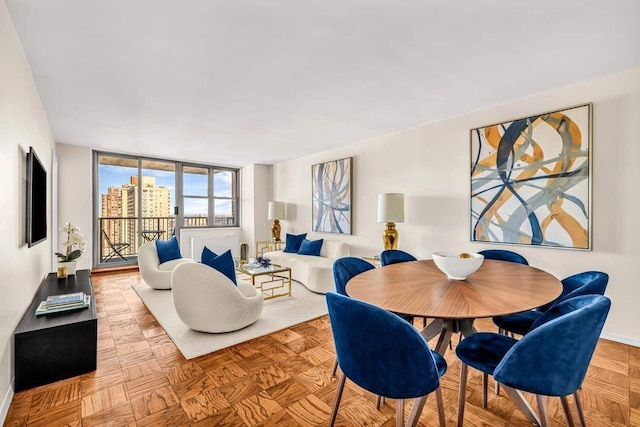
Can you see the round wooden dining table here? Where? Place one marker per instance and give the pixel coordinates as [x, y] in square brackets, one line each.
[420, 289]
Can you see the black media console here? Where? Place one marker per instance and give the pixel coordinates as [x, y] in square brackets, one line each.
[60, 345]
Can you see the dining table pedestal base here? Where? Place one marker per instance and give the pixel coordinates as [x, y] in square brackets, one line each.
[446, 328]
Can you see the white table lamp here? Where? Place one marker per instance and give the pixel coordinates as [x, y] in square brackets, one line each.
[390, 210]
[276, 213]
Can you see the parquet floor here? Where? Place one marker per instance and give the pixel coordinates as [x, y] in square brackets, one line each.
[283, 379]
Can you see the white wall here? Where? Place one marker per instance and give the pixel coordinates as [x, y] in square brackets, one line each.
[430, 165]
[75, 195]
[23, 123]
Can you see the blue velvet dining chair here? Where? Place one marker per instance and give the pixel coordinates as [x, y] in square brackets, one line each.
[550, 360]
[504, 255]
[383, 354]
[586, 283]
[344, 269]
[395, 256]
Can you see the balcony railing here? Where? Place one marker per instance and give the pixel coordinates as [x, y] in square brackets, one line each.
[120, 237]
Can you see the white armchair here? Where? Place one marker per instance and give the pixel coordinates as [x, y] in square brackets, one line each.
[208, 301]
[156, 275]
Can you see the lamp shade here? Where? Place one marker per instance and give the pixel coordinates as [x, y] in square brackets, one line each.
[276, 210]
[391, 207]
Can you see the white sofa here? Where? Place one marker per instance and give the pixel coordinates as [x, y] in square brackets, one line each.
[156, 275]
[314, 272]
[208, 301]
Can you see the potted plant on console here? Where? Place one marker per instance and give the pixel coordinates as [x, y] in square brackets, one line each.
[75, 245]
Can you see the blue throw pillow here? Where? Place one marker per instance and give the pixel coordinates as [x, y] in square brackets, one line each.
[168, 250]
[293, 243]
[224, 264]
[311, 247]
[207, 254]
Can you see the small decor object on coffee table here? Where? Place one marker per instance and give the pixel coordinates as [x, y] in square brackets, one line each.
[263, 261]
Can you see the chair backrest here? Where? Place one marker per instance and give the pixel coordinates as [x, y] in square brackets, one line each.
[552, 359]
[585, 283]
[504, 255]
[379, 351]
[106, 236]
[394, 256]
[346, 268]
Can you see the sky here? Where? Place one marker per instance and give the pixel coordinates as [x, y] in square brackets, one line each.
[196, 185]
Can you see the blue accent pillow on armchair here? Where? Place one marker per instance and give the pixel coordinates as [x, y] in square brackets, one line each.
[207, 254]
[224, 264]
[168, 250]
[311, 247]
[293, 243]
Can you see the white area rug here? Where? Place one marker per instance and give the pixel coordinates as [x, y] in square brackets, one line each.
[278, 313]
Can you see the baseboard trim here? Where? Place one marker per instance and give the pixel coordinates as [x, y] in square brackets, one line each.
[621, 339]
[6, 402]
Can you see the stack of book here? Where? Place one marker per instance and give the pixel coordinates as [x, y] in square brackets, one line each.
[63, 302]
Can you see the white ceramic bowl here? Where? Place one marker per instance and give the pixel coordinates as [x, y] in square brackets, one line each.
[454, 267]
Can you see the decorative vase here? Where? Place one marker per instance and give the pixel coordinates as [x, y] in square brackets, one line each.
[71, 266]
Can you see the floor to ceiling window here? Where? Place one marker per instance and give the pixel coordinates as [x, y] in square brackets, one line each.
[139, 200]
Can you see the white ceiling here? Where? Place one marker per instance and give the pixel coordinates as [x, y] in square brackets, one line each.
[235, 82]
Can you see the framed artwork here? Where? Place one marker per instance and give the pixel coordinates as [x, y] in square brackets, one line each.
[531, 180]
[331, 190]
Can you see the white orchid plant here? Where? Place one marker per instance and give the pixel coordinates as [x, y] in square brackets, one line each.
[75, 244]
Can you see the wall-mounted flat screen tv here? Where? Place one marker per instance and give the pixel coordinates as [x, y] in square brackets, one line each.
[36, 199]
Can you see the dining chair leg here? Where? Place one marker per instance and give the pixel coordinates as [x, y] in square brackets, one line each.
[335, 368]
[440, 406]
[416, 410]
[522, 404]
[399, 412]
[378, 402]
[462, 393]
[579, 407]
[567, 411]
[336, 403]
[485, 380]
[542, 408]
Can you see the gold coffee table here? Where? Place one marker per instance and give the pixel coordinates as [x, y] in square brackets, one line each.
[273, 281]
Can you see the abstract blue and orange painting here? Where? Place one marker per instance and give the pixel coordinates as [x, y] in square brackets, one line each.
[530, 180]
[331, 188]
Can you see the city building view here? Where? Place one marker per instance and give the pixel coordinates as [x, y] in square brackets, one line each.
[120, 213]
[134, 212]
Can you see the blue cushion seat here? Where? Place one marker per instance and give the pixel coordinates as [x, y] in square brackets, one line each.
[168, 250]
[293, 242]
[224, 264]
[310, 247]
[586, 283]
[485, 351]
[518, 323]
[441, 364]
